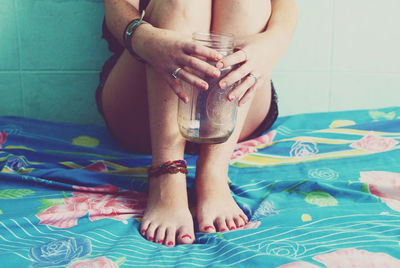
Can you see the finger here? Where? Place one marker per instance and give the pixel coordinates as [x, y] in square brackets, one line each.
[192, 79]
[241, 89]
[176, 87]
[234, 76]
[235, 58]
[200, 65]
[247, 96]
[199, 50]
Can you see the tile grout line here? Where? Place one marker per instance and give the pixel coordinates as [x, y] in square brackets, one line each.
[17, 25]
[333, 20]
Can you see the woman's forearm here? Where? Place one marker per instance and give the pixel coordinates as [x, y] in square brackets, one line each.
[118, 13]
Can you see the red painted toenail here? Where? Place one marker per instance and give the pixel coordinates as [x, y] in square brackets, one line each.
[151, 238]
[143, 231]
[223, 230]
[160, 241]
[208, 227]
[232, 228]
[241, 226]
[186, 235]
[170, 243]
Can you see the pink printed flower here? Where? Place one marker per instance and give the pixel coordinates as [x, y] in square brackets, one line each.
[385, 185]
[298, 265]
[349, 258]
[247, 147]
[97, 166]
[108, 188]
[100, 262]
[99, 204]
[251, 225]
[3, 138]
[374, 143]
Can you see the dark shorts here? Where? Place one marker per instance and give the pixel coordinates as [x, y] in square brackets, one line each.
[191, 148]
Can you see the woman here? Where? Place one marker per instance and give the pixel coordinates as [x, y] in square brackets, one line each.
[140, 87]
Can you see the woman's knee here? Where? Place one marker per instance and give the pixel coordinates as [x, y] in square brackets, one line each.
[242, 18]
[180, 15]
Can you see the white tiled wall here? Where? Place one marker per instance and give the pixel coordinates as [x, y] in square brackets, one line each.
[345, 55]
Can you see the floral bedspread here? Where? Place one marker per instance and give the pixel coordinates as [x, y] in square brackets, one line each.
[321, 190]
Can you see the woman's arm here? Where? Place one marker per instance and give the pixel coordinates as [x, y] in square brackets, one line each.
[257, 54]
[163, 50]
[118, 13]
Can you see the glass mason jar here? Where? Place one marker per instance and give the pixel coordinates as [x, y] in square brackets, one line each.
[209, 117]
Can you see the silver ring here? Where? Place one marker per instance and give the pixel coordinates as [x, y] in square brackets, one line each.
[253, 76]
[175, 73]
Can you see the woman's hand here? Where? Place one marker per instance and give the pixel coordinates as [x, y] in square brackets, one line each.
[255, 59]
[166, 50]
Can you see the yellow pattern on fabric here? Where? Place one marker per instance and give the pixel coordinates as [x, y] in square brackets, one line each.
[341, 123]
[17, 147]
[85, 141]
[262, 160]
[306, 217]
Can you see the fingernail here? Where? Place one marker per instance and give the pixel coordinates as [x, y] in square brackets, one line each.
[222, 85]
[186, 235]
[204, 85]
[160, 241]
[219, 65]
[219, 56]
[231, 98]
[216, 73]
[170, 243]
[232, 228]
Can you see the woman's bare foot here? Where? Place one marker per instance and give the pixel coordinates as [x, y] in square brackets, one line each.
[167, 219]
[216, 211]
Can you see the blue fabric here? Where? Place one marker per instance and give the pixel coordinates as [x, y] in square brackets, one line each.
[316, 187]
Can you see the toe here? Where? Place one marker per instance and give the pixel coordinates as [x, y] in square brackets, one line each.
[239, 222]
[185, 237]
[151, 230]
[221, 224]
[230, 224]
[159, 237]
[206, 226]
[169, 240]
[244, 218]
[144, 227]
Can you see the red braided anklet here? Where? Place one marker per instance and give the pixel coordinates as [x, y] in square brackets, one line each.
[171, 167]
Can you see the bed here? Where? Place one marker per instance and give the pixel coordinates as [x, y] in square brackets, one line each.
[320, 190]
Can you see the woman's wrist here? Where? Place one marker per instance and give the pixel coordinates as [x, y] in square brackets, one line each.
[139, 38]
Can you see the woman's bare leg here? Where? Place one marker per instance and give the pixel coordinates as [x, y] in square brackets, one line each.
[167, 218]
[216, 208]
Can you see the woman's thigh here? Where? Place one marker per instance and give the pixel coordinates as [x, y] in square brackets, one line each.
[124, 96]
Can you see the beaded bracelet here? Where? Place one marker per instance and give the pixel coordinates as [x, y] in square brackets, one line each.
[171, 167]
